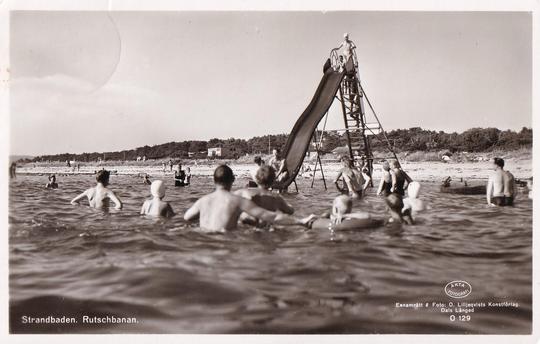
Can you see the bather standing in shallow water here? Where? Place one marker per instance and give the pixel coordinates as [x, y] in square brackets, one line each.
[220, 210]
[398, 179]
[157, 206]
[52, 184]
[385, 185]
[262, 196]
[501, 188]
[98, 196]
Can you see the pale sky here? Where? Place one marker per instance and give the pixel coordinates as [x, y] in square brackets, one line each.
[102, 81]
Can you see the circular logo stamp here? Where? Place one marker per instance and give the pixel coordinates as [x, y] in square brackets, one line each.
[458, 289]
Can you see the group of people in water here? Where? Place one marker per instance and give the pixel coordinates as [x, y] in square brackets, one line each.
[259, 205]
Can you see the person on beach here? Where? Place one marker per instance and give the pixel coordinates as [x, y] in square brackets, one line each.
[164, 167]
[146, 179]
[385, 185]
[179, 176]
[413, 202]
[99, 196]
[220, 210]
[263, 196]
[354, 180]
[398, 179]
[157, 206]
[170, 164]
[398, 214]
[52, 184]
[501, 187]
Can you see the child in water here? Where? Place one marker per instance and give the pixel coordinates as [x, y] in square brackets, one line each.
[413, 203]
[341, 217]
[394, 202]
[341, 210]
[52, 184]
[156, 206]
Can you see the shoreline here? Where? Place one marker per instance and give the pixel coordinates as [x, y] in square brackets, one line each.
[420, 171]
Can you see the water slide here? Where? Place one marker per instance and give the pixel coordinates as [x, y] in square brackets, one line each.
[300, 136]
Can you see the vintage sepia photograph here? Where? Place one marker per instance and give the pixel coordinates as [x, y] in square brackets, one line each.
[270, 172]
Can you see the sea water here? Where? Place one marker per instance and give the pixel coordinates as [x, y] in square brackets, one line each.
[73, 262]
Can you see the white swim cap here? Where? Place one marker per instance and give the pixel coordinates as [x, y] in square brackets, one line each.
[342, 205]
[346, 35]
[157, 189]
[413, 190]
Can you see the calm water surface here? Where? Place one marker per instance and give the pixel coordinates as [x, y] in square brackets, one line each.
[74, 260]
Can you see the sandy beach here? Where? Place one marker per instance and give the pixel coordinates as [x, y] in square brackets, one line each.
[420, 171]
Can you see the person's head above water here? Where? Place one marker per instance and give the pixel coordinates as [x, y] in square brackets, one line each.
[258, 160]
[413, 190]
[386, 165]
[52, 178]
[265, 176]
[498, 163]
[394, 202]
[102, 177]
[223, 176]
[342, 205]
[157, 189]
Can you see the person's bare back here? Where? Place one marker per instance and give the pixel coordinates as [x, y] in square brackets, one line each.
[220, 210]
[99, 196]
[156, 206]
[500, 189]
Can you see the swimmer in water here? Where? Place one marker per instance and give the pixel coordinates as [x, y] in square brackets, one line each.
[188, 175]
[262, 196]
[356, 184]
[341, 210]
[52, 184]
[501, 188]
[156, 206]
[398, 178]
[179, 176]
[394, 202]
[413, 202]
[98, 196]
[220, 210]
[146, 179]
[342, 218]
[386, 180]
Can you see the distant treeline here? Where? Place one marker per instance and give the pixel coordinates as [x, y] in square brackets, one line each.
[413, 139]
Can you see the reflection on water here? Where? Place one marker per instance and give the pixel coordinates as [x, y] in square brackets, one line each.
[73, 261]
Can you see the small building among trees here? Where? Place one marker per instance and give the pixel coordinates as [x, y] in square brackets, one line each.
[217, 152]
